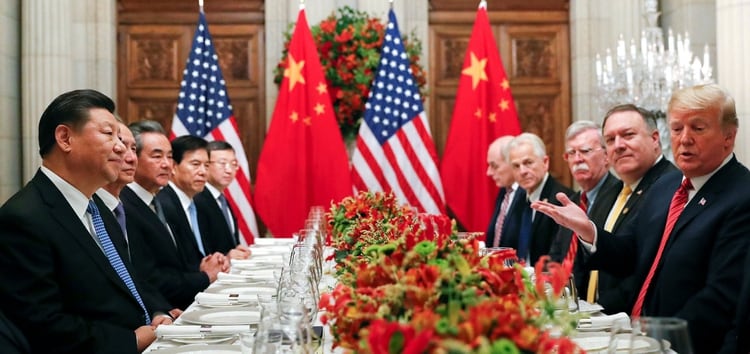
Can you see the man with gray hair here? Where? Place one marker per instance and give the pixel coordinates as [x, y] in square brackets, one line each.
[501, 173]
[531, 233]
[687, 244]
[587, 160]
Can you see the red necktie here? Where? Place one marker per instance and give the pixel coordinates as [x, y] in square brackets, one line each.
[573, 249]
[676, 207]
[501, 216]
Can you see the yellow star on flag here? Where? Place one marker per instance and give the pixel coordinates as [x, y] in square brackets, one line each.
[294, 116]
[478, 113]
[307, 121]
[504, 84]
[294, 72]
[322, 88]
[476, 70]
[492, 117]
[319, 108]
[504, 104]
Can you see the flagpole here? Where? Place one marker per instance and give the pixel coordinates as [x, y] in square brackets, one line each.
[301, 4]
[390, 3]
[483, 4]
[200, 5]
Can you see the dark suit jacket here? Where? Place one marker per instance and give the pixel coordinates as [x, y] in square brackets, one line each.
[155, 255]
[615, 293]
[12, 341]
[217, 237]
[180, 225]
[698, 278]
[598, 212]
[737, 340]
[543, 228]
[56, 284]
[490, 235]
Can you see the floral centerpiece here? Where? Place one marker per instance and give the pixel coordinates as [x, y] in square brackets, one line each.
[349, 47]
[407, 284]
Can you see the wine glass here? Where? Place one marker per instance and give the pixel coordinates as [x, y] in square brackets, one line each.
[666, 334]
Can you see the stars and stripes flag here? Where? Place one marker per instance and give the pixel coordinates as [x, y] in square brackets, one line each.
[203, 110]
[394, 150]
[483, 111]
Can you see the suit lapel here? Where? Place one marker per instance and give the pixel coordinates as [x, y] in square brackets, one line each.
[70, 222]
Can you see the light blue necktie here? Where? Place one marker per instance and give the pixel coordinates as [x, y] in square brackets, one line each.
[114, 258]
[196, 229]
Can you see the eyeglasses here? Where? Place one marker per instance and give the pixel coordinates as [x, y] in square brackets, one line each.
[232, 165]
[584, 152]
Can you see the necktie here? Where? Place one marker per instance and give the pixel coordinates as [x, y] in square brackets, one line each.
[196, 229]
[120, 215]
[573, 248]
[524, 236]
[156, 207]
[114, 258]
[676, 207]
[617, 208]
[501, 216]
[225, 210]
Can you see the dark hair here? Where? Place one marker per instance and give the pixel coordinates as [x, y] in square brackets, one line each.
[71, 108]
[648, 117]
[218, 145]
[144, 126]
[184, 144]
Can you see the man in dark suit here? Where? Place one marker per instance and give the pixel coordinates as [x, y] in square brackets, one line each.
[687, 244]
[217, 221]
[189, 178]
[531, 233]
[110, 196]
[63, 281]
[502, 174]
[634, 150]
[160, 257]
[587, 160]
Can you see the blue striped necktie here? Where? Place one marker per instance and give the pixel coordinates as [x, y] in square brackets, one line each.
[113, 256]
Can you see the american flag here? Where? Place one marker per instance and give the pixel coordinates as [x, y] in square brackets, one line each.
[394, 148]
[203, 110]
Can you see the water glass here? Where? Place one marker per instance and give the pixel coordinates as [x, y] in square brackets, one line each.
[667, 334]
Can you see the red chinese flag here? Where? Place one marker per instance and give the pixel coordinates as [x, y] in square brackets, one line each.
[303, 162]
[483, 111]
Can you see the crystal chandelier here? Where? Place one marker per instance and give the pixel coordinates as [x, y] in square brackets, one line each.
[646, 76]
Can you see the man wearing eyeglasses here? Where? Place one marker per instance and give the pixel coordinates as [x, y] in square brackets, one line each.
[218, 223]
[587, 160]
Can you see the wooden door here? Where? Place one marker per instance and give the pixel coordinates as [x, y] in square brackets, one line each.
[532, 37]
[154, 38]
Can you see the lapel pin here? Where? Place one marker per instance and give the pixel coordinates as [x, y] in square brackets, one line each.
[625, 211]
[639, 191]
[702, 201]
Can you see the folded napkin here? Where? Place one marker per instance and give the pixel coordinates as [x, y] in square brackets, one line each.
[232, 278]
[197, 331]
[609, 320]
[224, 299]
[273, 241]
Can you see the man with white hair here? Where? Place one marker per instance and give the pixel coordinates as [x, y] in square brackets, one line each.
[531, 233]
[501, 173]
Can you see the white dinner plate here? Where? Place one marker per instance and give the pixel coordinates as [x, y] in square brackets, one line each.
[639, 345]
[201, 349]
[250, 289]
[207, 340]
[592, 342]
[234, 316]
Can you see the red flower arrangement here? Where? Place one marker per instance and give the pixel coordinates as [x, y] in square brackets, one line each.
[405, 287]
[349, 47]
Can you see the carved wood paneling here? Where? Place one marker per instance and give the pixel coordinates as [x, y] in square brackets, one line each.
[154, 43]
[534, 48]
[500, 5]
